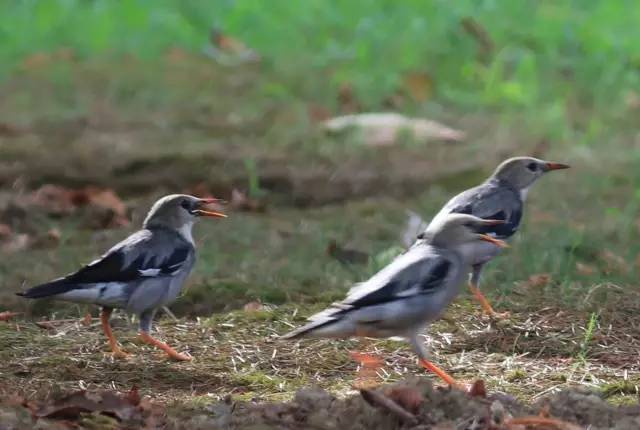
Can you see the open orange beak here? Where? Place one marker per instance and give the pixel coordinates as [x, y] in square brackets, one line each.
[207, 201]
[555, 166]
[497, 242]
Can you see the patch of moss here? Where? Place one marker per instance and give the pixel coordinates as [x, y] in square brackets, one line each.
[516, 375]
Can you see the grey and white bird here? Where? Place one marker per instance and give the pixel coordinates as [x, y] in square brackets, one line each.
[409, 293]
[144, 272]
[501, 197]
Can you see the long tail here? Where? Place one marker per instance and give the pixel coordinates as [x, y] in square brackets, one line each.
[52, 288]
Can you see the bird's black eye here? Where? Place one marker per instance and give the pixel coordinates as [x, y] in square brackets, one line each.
[532, 166]
[186, 205]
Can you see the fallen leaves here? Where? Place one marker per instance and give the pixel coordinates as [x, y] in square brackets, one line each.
[7, 315]
[346, 255]
[379, 400]
[418, 85]
[241, 202]
[386, 129]
[107, 209]
[101, 207]
[102, 409]
[537, 280]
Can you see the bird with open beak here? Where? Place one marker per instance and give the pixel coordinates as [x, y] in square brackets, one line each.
[409, 293]
[500, 197]
[142, 273]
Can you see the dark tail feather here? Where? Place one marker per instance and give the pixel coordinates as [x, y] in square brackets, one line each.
[52, 288]
[306, 329]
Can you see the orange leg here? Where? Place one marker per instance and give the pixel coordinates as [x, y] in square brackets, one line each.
[486, 306]
[440, 373]
[106, 327]
[163, 346]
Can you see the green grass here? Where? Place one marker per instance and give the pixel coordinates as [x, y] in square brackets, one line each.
[547, 57]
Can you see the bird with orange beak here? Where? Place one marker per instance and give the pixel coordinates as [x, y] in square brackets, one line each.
[141, 274]
[410, 293]
[501, 197]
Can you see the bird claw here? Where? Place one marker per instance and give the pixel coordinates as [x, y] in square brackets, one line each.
[500, 316]
[121, 355]
[180, 357]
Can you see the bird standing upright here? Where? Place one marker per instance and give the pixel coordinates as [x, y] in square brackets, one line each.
[140, 274]
[409, 293]
[501, 197]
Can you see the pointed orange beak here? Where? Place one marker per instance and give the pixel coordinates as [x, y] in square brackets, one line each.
[556, 166]
[206, 201]
[497, 242]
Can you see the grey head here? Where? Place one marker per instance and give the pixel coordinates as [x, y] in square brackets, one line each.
[179, 212]
[521, 172]
[459, 229]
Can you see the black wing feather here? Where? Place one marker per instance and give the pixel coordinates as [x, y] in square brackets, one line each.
[491, 201]
[390, 292]
[111, 267]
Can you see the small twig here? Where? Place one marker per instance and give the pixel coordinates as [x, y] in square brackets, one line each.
[168, 312]
[376, 399]
[541, 421]
[481, 35]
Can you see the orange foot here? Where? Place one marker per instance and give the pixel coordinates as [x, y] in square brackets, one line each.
[172, 353]
[120, 354]
[486, 306]
[441, 374]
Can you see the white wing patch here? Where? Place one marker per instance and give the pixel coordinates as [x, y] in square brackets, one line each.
[149, 272]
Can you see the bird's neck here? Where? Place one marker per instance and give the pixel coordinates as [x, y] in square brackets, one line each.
[184, 231]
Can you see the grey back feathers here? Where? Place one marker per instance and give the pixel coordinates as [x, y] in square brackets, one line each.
[408, 293]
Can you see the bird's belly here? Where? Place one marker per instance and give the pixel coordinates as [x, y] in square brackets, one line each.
[111, 294]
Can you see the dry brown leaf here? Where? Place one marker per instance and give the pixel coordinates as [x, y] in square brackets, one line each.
[538, 280]
[17, 243]
[318, 113]
[253, 307]
[53, 199]
[105, 201]
[613, 262]
[8, 130]
[410, 398]
[585, 269]
[346, 255]
[5, 231]
[106, 402]
[347, 101]
[379, 400]
[49, 240]
[7, 315]
[385, 129]
[478, 389]
[240, 201]
[38, 60]
[418, 85]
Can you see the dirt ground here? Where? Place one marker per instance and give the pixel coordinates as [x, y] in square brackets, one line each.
[242, 376]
